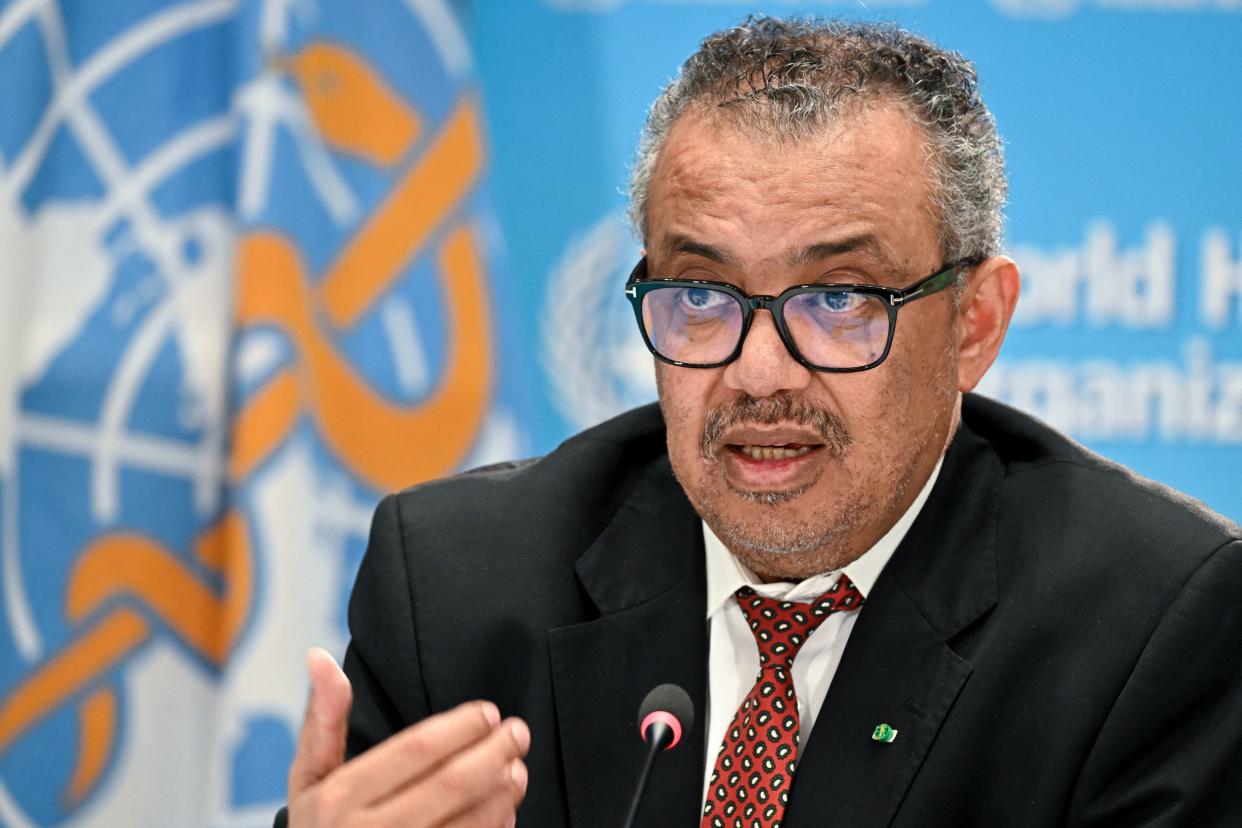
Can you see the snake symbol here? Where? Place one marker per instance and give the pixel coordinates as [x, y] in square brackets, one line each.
[124, 585]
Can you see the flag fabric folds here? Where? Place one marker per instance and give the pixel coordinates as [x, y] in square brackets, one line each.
[245, 290]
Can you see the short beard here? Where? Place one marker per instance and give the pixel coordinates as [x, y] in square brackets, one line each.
[771, 498]
[777, 550]
[766, 540]
[781, 407]
[757, 543]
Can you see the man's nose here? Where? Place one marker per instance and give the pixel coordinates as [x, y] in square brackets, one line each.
[765, 365]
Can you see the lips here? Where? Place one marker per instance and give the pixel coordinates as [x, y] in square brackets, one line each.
[769, 436]
[780, 421]
[774, 448]
[768, 459]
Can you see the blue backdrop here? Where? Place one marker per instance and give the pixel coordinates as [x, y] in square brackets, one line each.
[1124, 144]
[267, 260]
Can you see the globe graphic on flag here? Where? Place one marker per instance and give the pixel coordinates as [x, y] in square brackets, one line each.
[166, 166]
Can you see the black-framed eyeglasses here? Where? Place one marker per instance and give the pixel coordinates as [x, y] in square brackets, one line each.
[827, 327]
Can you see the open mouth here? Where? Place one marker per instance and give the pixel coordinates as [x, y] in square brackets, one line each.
[761, 467]
[763, 458]
[782, 452]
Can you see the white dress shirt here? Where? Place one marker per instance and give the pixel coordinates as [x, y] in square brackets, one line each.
[733, 655]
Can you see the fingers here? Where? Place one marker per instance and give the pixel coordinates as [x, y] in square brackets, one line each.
[498, 810]
[417, 751]
[321, 742]
[480, 785]
[461, 768]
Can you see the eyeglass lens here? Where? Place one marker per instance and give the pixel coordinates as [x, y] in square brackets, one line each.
[703, 325]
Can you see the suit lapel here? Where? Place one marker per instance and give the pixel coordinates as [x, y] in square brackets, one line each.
[645, 575]
[895, 671]
[899, 667]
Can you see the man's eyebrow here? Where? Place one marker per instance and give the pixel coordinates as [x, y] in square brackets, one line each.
[864, 242]
[678, 243]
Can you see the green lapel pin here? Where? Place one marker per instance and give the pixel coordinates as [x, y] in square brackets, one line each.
[884, 733]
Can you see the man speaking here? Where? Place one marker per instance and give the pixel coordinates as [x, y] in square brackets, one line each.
[891, 602]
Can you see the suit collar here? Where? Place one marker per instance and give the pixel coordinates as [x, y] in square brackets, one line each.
[645, 575]
[947, 563]
[899, 667]
[726, 574]
[646, 546]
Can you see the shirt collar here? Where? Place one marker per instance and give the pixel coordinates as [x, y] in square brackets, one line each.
[726, 574]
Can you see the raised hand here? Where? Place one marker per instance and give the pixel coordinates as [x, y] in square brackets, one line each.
[459, 768]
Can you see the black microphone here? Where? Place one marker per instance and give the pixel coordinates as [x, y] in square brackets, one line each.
[663, 717]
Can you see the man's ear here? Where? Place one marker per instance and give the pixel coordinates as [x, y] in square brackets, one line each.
[987, 304]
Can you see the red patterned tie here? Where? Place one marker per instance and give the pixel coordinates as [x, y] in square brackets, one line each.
[754, 769]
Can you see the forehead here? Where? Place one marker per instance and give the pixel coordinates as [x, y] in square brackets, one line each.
[760, 199]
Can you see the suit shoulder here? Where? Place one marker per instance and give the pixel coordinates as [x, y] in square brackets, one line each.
[635, 435]
[578, 484]
[1052, 478]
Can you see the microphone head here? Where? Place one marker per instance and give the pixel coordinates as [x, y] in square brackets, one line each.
[670, 705]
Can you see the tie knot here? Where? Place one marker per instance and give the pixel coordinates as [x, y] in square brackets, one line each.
[782, 627]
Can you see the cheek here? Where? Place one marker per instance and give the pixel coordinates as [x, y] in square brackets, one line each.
[881, 405]
[926, 356]
[915, 388]
[683, 396]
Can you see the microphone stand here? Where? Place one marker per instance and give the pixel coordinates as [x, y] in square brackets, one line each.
[661, 737]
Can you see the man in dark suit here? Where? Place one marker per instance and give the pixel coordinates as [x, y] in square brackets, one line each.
[997, 627]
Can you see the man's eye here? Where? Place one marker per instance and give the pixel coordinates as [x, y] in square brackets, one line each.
[701, 299]
[840, 302]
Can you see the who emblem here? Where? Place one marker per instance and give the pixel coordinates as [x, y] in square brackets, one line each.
[238, 308]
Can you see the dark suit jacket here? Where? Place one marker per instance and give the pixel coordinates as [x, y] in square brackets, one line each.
[1057, 641]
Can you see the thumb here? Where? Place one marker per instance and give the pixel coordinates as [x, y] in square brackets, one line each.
[321, 743]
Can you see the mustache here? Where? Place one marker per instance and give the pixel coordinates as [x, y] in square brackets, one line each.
[781, 407]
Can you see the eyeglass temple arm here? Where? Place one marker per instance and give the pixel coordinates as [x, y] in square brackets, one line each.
[932, 284]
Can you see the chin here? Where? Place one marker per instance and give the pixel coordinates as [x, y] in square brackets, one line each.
[772, 561]
[775, 535]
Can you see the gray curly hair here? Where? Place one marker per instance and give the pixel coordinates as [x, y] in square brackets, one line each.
[789, 78]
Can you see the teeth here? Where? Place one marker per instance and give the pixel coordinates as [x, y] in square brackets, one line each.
[773, 452]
